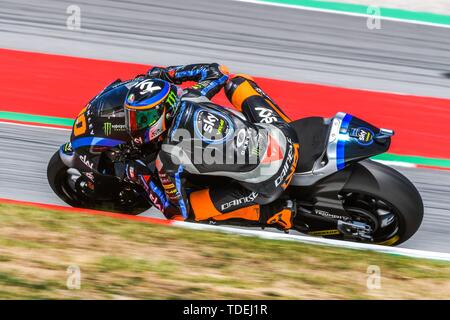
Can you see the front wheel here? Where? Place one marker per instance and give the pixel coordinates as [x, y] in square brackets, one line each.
[67, 187]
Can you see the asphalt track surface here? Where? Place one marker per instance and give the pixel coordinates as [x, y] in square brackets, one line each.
[25, 152]
[264, 41]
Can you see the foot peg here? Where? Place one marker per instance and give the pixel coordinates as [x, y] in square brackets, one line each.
[357, 230]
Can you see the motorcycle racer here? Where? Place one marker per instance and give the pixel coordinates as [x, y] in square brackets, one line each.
[256, 154]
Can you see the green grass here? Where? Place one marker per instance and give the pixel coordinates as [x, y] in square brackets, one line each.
[127, 259]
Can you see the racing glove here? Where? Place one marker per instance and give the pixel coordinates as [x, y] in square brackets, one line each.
[161, 73]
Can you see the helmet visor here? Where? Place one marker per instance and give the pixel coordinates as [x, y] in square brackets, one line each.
[141, 119]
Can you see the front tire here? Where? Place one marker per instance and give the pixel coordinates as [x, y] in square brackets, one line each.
[57, 177]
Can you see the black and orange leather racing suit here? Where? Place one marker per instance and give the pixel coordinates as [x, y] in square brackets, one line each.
[256, 150]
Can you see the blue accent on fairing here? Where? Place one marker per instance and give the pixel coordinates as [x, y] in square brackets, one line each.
[160, 194]
[199, 134]
[178, 119]
[340, 148]
[178, 184]
[213, 84]
[95, 141]
[164, 91]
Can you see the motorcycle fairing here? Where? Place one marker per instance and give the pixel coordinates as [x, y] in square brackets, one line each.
[350, 139]
[359, 140]
[102, 122]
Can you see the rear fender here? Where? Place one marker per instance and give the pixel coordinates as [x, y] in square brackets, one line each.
[380, 180]
[325, 193]
[367, 175]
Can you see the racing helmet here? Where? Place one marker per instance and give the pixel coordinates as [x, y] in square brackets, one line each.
[149, 104]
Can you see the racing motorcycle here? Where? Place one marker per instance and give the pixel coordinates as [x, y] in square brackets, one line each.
[337, 191]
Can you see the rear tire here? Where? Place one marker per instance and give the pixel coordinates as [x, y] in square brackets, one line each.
[391, 190]
[381, 205]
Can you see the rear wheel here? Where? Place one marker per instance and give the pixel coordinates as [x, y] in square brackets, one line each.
[381, 206]
[383, 221]
[386, 200]
[67, 185]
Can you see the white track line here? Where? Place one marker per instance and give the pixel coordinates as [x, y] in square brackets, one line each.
[318, 241]
[34, 126]
[300, 7]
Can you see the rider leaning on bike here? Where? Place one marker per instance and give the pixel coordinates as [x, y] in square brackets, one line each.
[257, 155]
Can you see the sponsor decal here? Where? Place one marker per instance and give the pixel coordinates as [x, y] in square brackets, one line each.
[67, 148]
[255, 151]
[289, 166]
[212, 127]
[364, 136]
[267, 115]
[131, 98]
[147, 86]
[241, 137]
[80, 127]
[86, 162]
[326, 214]
[171, 99]
[164, 179]
[155, 201]
[138, 140]
[242, 141]
[169, 187]
[325, 232]
[108, 127]
[233, 203]
[89, 175]
[156, 130]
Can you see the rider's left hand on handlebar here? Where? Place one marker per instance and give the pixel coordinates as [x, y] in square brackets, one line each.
[161, 73]
[156, 72]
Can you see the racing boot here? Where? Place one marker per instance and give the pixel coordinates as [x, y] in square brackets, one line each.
[282, 219]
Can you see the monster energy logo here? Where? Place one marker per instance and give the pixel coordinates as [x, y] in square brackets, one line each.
[68, 147]
[171, 99]
[108, 127]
